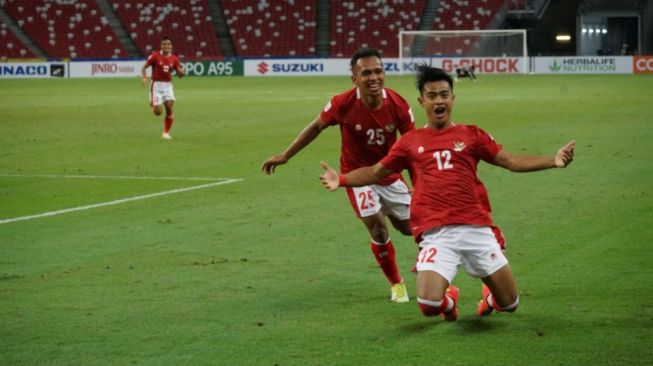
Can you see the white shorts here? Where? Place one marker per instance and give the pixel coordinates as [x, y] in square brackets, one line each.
[393, 199]
[445, 248]
[160, 92]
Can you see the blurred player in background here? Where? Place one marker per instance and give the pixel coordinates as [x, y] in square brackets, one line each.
[448, 217]
[369, 117]
[161, 91]
[464, 71]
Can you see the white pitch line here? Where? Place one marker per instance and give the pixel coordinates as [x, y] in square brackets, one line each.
[72, 176]
[117, 202]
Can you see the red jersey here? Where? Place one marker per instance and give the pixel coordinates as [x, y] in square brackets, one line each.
[162, 66]
[368, 135]
[446, 188]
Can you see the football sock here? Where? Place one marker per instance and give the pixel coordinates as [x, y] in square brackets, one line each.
[168, 123]
[385, 257]
[431, 308]
[508, 309]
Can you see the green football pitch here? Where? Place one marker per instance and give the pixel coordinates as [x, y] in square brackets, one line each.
[118, 248]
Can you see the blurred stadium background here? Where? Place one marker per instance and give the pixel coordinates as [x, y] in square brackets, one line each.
[233, 29]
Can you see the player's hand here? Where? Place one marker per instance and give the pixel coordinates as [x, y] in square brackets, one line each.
[329, 178]
[144, 81]
[565, 155]
[271, 163]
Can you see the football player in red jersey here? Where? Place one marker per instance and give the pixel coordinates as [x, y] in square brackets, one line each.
[370, 117]
[448, 217]
[162, 95]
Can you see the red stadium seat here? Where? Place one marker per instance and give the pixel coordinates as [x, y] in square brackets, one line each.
[271, 28]
[358, 23]
[66, 29]
[11, 46]
[187, 22]
[461, 15]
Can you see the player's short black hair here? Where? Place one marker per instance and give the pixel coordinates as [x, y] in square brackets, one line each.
[166, 38]
[427, 74]
[363, 53]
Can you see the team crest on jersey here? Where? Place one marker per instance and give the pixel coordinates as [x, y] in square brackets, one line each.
[458, 146]
[390, 128]
[358, 127]
[420, 149]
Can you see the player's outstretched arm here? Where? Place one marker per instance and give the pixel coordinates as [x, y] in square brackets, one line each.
[527, 163]
[356, 178]
[305, 137]
[181, 72]
[565, 155]
[144, 74]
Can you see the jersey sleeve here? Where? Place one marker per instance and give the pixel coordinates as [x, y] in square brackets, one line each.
[331, 112]
[486, 147]
[177, 64]
[151, 60]
[396, 160]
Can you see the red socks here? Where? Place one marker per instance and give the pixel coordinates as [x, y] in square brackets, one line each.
[167, 123]
[432, 308]
[385, 257]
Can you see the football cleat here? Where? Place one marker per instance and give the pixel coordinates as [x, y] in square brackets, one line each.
[166, 136]
[452, 315]
[484, 308]
[399, 293]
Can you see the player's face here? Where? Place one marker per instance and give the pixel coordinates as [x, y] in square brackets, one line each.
[437, 100]
[369, 76]
[166, 47]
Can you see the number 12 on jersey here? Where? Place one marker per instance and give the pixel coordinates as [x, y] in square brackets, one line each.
[443, 158]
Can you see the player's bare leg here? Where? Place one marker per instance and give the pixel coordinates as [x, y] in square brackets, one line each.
[384, 253]
[157, 109]
[436, 296]
[502, 295]
[404, 227]
[169, 119]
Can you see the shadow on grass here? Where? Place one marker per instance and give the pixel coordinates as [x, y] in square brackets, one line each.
[472, 325]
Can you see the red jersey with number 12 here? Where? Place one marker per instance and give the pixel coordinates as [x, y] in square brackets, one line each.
[368, 135]
[446, 187]
[162, 66]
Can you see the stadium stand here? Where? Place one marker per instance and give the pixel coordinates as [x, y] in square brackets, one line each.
[465, 14]
[186, 22]
[11, 46]
[462, 15]
[256, 28]
[66, 29]
[355, 22]
[282, 29]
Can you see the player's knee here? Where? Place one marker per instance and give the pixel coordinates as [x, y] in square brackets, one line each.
[157, 111]
[429, 307]
[511, 308]
[405, 229]
[379, 233]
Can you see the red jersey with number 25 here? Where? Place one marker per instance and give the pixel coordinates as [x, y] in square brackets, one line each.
[367, 135]
[162, 66]
[445, 188]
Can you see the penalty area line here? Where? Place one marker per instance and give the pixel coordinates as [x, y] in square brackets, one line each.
[118, 202]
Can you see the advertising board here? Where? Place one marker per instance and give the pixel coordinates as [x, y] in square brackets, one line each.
[25, 70]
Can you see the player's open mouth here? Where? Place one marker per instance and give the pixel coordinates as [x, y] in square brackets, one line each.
[374, 86]
[440, 110]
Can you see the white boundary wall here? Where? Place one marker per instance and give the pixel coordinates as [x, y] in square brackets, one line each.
[306, 67]
[106, 69]
[31, 70]
[328, 67]
[583, 65]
